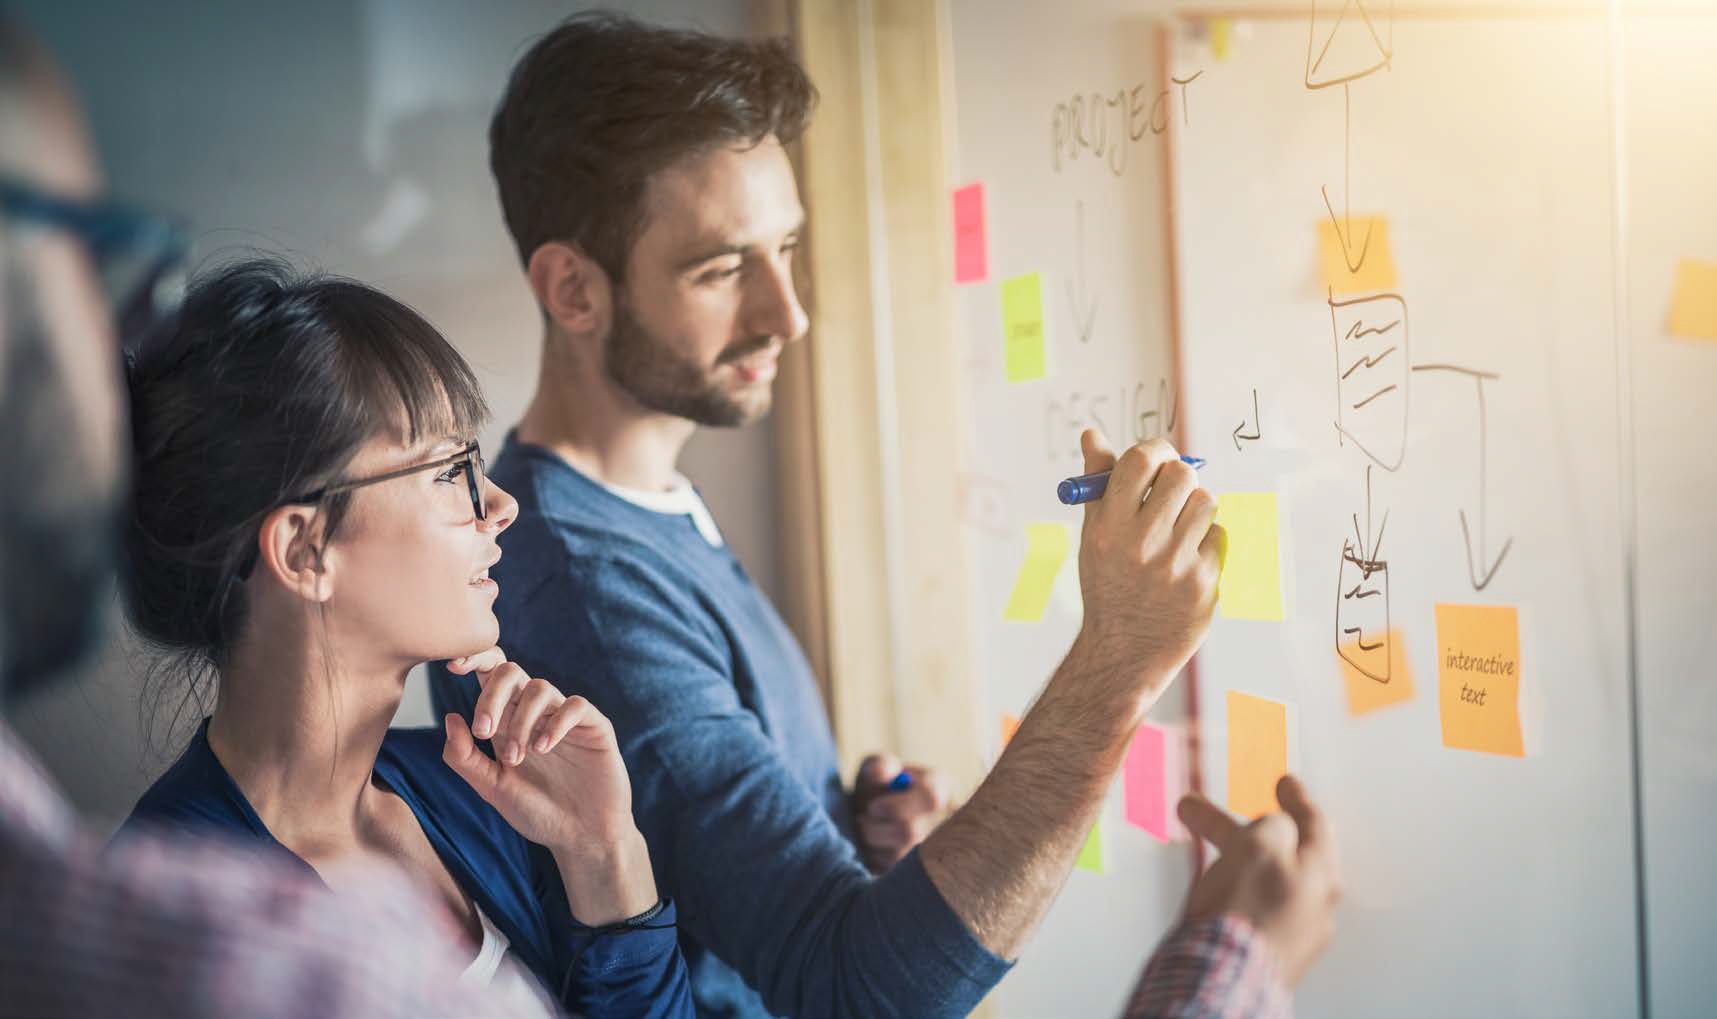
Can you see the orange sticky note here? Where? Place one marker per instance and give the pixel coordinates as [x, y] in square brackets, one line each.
[971, 254]
[1368, 687]
[1358, 239]
[1693, 308]
[1010, 725]
[1257, 753]
[1478, 678]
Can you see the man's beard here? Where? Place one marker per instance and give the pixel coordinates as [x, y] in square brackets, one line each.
[660, 378]
[57, 516]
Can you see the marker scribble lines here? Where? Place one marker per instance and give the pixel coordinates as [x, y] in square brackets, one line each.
[1368, 362]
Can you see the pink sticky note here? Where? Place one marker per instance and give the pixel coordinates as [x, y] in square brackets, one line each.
[971, 255]
[1148, 782]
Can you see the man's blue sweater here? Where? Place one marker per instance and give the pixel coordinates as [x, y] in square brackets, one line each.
[733, 769]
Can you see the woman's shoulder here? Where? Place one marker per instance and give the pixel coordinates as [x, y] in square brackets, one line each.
[410, 761]
[195, 795]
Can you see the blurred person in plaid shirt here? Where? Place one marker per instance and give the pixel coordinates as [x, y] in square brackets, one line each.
[152, 927]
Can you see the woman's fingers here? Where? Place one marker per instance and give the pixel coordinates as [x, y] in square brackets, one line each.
[501, 684]
[535, 698]
[555, 725]
[482, 661]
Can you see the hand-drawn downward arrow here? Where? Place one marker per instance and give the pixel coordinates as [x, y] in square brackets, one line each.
[1344, 223]
[1256, 422]
[1083, 319]
[1481, 572]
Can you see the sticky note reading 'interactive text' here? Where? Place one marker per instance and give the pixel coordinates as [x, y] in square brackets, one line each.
[1693, 308]
[1091, 853]
[971, 253]
[1023, 327]
[1354, 256]
[1257, 753]
[1368, 686]
[1478, 678]
[1251, 584]
[1046, 547]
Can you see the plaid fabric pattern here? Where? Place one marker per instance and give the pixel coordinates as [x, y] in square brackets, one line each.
[1211, 968]
[158, 926]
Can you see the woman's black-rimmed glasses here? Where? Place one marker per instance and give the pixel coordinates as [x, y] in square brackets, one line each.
[471, 456]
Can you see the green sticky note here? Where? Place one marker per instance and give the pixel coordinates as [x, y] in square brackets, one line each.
[1091, 853]
[1023, 326]
[1251, 584]
[1046, 548]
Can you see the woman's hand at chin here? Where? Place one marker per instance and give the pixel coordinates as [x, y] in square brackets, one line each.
[558, 779]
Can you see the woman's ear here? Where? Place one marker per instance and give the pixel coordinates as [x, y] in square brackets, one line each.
[292, 550]
[574, 291]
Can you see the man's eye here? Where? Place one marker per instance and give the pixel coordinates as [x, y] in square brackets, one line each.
[454, 472]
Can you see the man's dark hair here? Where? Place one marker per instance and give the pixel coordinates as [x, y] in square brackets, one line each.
[604, 101]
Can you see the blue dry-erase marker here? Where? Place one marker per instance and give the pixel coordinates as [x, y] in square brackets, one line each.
[1090, 487]
[900, 783]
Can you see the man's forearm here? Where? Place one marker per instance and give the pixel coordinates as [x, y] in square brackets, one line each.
[1003, 857]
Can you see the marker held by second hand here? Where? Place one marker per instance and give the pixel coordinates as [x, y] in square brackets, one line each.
[1090, 487]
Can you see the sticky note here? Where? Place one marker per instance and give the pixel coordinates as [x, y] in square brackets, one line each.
[1478, 678]
[1152, 779]
[1023, 327]
[1045, 548]
[971, 252]
[1091, 853]
[1369, 234]
[1257, 753]
[1251, 584]
[1367, 688]
[1693, 308]
[1010, 725]
[1221, 38]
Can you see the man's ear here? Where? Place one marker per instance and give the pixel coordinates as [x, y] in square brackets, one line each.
[292, 550]
[573, 291]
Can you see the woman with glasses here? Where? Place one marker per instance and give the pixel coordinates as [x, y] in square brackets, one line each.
[309, 521]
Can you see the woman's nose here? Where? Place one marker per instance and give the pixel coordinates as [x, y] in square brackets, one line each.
[500, 509]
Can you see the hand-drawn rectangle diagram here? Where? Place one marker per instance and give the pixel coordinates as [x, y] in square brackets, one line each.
[1349, 40]
[1371, 375]
[1362, 612]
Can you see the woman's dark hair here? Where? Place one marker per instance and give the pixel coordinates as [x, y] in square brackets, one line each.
[269, 384]
[603, 102]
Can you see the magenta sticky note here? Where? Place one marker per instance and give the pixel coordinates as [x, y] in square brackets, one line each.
[971, 253]
[1146, 781]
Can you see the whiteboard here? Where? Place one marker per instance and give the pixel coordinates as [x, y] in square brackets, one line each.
[1477, 883]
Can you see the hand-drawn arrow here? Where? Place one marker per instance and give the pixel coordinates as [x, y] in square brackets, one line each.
[1083, 320]
[1344, 223]
[1479, 573]
[1256, 430]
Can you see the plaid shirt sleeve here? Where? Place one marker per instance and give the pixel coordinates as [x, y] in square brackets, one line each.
[1215, 967]
[164, 926]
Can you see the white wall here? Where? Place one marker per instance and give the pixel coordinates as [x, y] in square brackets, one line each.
[350, 135]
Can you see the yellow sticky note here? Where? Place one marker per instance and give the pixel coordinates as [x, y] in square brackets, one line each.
[1221, 38]
[1010, 725]
[1693, 308]
[1023, 327]
[1366, 243]
[1478, 678]
[1251, 584]
[1369, 688]
[1257, 753]
[1091, 853]
[1045, 547]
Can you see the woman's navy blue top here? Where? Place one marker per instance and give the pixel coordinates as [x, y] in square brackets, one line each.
[636, 973]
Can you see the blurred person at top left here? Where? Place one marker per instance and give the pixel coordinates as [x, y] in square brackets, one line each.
[154, 926]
